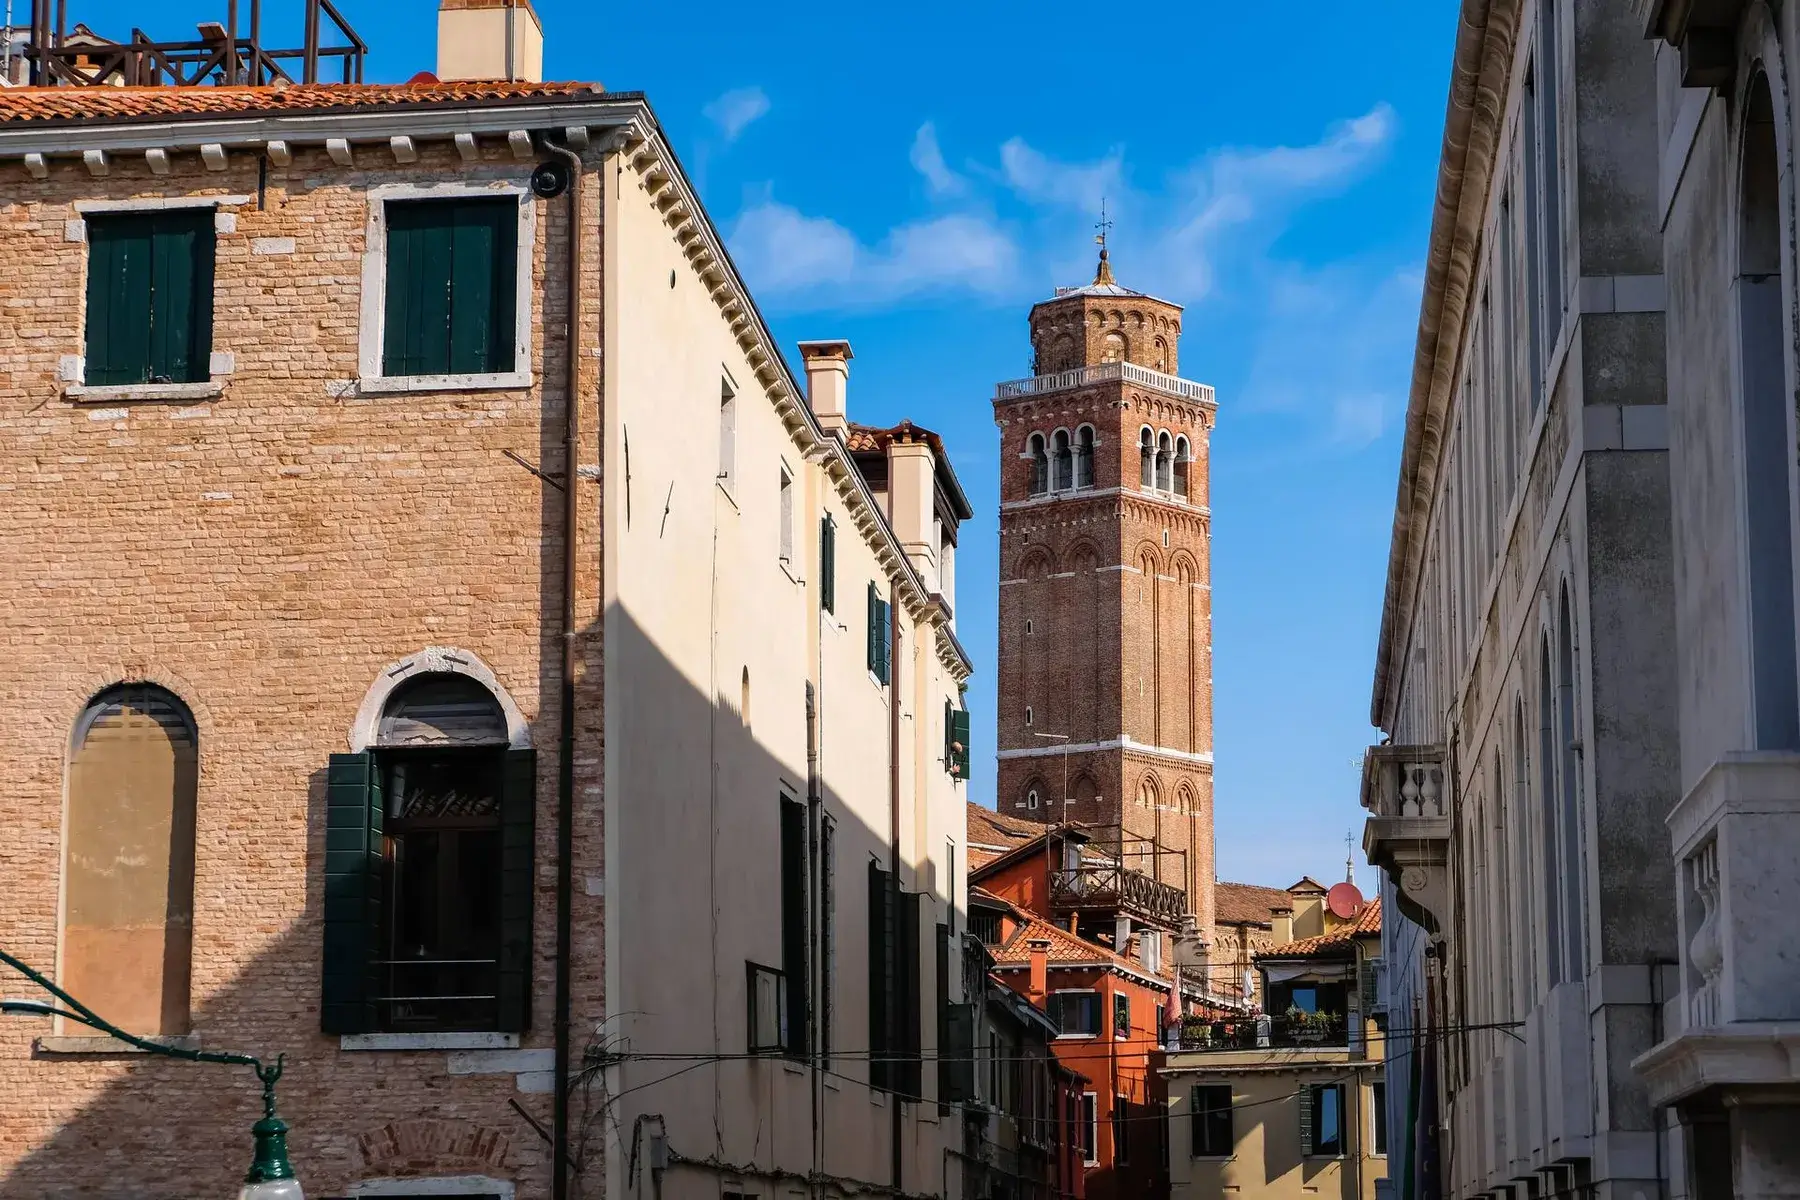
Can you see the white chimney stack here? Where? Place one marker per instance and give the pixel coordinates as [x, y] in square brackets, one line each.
[489, 39]
[827, 382]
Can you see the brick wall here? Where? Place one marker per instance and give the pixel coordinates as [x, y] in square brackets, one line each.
[265, 555]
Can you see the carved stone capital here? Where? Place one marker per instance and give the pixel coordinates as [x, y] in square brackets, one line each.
[1415, 854]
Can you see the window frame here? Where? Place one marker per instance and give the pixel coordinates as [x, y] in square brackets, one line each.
[1121, 1129]
[372, 331]
[1121, 1012]
[1088, 1128]
[1056, 995]
[1199, 1144]
[784, 516]
[1378, 1119]
[1313, 1097]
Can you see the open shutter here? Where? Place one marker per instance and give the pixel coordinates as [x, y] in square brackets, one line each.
[1309, 1099]
[874, 631]
[880, 982]
[181, 287]
[885, 641]
[518, 837]
[827, 564]
[353, 851]
[959, 735]
[911, 987]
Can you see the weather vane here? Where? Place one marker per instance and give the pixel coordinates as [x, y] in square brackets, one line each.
[1103, 225]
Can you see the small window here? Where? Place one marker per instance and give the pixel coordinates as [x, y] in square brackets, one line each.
[1061, 462]
[1165, 462]
[1183, 455]
[827, 564]
[1040, 465]
[452, 287]
[1165, 539]
[1121, 1015]
[1378, 1117]
[1211, 1116]
[1121, 1129]
[767, 1017]
[1084, 456]
[1147, 458]
[785, 515]
[727, 434]
[1031, 799]
[1075, 1014]
[1112, 348]
[1027, 625]
[1089, 1129]
[149, 297]
[956, 741]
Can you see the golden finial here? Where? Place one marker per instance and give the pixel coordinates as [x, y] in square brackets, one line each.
[1103, 274]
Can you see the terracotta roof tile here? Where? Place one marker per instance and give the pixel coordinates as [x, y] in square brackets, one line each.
[99, 103]
[1247, 902]
[868, 438]
[1338, 941]
[1066, 948]
[991, 828]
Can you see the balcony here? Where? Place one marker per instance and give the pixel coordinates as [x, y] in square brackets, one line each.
[1314, 1031]
[1735, 1021]
[1408, 794]
[1062, 381]
[1111, 887]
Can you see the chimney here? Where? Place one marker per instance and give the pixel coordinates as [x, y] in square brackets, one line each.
[1038, 989]
[912, 500]
[827, 380]
[1121, 933]
[1282, 925]
[489, 39]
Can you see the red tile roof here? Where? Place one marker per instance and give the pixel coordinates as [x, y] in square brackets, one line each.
[1065, 948]
[991, 828]
[1338, 941]
[1247, 903]
[100, 103]
[867, 438]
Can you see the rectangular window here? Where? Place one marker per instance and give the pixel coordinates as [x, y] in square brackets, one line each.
[727, 434]
[827, 564]
[880, 636]
[149, 297]
[1089, 1128]
[956, 741]
[950, 885]
[452, 287]
[793, 923]
[785, 515]
[1121, 1015]
[1378, 1117]
[1213, 1136]
[881, 978]
[1322, 1120]
[766, 1020]
[827, 933]
[1121, 1130]
[1075, 1014]
[1162, 1021]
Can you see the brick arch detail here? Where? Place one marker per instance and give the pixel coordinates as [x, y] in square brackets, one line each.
[82, 692]
[436, 660]
[425, 1146]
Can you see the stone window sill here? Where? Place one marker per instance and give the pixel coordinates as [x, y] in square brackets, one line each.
[429, 1041]
[375, 385]
[145, 392]
[81, 1046]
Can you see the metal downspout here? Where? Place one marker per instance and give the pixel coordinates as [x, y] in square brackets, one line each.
[565, 756]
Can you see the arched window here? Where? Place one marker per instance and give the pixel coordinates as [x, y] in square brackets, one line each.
[1040, 464]
[1763, 278]
[1028, 714]
[1183, 456]
[744, 699]
[128, 888]
[1062, 461]
[1084, 456]
[1547, 864]
[1031, 799]
[447, 792]
[1165, 462]
[1147, 457]
[1159, 354]
[1112, 348]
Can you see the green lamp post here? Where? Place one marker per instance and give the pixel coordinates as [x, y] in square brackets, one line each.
[271, 1176]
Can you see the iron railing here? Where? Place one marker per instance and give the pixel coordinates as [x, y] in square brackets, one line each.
[1320, 1030]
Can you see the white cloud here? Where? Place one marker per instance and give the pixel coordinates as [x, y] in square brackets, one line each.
[928, 160]
[735, 110]
[814, 260]
[1040, 179]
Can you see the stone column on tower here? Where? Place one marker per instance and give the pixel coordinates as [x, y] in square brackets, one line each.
[1105, 574]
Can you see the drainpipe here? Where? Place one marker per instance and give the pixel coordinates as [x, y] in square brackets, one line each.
[565, 755]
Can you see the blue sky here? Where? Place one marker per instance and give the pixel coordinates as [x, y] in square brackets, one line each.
[915, 186]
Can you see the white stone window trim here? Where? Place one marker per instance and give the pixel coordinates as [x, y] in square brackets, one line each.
[428, 1041]
[443, 1185]
[371, 329]
[73, 367]
[448, 660]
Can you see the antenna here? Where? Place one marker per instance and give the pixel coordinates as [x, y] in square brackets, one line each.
[1350, 856]
[1103, 225]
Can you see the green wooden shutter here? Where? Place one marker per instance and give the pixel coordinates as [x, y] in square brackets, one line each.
[827, 564]
[353, 893]
[874, 630]
[518, 854]
[452, 287]
[1309, 1098]
[149, 297]
[880, 633]
[960, 735]
[880, 980]
[483, 286]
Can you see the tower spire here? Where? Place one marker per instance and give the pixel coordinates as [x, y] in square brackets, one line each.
[1103, 273]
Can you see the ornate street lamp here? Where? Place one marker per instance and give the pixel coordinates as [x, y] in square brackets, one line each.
[271, 1177]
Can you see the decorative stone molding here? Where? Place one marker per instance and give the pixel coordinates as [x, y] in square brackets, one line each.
[445, 660]
[1407, 789]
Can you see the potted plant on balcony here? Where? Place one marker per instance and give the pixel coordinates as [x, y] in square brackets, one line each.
[1304, 1027]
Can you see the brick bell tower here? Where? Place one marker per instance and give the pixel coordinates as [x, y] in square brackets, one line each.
[1105, 585]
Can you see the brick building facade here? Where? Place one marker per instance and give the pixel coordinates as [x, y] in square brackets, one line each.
[1105, 668]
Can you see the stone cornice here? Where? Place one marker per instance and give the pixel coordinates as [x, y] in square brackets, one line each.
[1481, 62]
